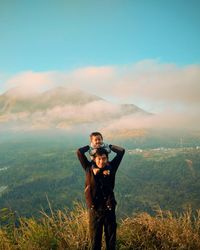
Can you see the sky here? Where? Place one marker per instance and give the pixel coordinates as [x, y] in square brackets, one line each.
[142, 52]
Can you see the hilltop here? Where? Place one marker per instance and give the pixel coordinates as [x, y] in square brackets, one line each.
[69, 230]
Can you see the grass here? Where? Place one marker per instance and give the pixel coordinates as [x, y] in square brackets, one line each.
[163, 231]
[69, 230]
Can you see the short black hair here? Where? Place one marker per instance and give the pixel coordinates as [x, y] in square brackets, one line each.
[100, 152]
[96, 134]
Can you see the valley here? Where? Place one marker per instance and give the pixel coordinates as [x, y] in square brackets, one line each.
[46, 168]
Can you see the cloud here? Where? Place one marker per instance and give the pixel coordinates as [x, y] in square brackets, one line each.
[65, 117]
[146, 81]
[90, 78]
[172, 90]
[30, 82]
[156, 82]
[172, 120]
[98, 115]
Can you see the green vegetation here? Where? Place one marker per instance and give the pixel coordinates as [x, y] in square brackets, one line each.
[69, 230]
[151, 178]
[34, 168]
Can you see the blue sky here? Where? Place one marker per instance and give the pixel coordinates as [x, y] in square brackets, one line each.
[115, 49]
[63, 35]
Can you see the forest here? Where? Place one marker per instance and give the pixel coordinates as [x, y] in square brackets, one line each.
[35, 170]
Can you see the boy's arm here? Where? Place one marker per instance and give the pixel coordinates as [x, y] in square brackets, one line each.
[117, 159]
[82, 158]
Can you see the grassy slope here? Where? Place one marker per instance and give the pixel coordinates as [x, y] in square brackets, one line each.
[69, 230]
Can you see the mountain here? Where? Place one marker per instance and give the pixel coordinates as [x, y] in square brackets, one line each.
[59, 108]
[12, 101]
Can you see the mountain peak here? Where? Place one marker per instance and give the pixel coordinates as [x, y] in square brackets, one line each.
[20, 92]
[60, 107]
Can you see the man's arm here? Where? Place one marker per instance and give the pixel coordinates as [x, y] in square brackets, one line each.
[82, 158]
[117, 159]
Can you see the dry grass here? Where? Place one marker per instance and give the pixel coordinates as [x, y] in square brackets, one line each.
[60, 230]
[69, 230]
[163, 231]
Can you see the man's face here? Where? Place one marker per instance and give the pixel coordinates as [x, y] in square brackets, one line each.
[97, 141]
[101, 161]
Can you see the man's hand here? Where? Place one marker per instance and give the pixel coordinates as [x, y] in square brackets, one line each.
[96, 171]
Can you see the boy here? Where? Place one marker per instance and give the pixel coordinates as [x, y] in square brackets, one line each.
[96, 141]
[99, 193]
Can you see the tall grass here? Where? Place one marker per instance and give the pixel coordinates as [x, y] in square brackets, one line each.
[163, 231]
[69, 230]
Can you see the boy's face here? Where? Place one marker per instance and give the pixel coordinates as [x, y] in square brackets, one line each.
[101, 161]
[96, 141]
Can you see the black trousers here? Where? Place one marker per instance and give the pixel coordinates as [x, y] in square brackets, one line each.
[99, 219]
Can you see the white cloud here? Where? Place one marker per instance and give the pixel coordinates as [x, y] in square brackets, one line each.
[173, 91]
[29, 82]
[100, 115]
[161, 83]
[147, 81]
[63, 116]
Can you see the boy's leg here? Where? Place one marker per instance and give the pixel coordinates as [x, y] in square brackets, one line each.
[96, 229]
[110, 227]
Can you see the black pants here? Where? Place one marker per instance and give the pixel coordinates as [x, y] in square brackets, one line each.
[97, 220]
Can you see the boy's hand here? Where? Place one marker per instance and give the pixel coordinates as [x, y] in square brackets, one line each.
[106, 172]
[92, 151]
[107, 148]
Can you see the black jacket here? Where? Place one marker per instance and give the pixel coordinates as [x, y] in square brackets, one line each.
[99, 189]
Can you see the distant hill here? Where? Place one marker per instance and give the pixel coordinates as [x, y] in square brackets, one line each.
[58, 108]
[13, 101]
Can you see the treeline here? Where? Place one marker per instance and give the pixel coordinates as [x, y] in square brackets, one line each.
[144, 180]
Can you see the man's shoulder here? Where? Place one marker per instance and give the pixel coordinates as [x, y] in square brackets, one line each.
[111, 165]
[88, 168]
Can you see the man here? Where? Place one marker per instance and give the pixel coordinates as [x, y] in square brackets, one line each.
[99, 193]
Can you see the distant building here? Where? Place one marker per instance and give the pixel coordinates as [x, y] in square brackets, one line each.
[138, 150]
